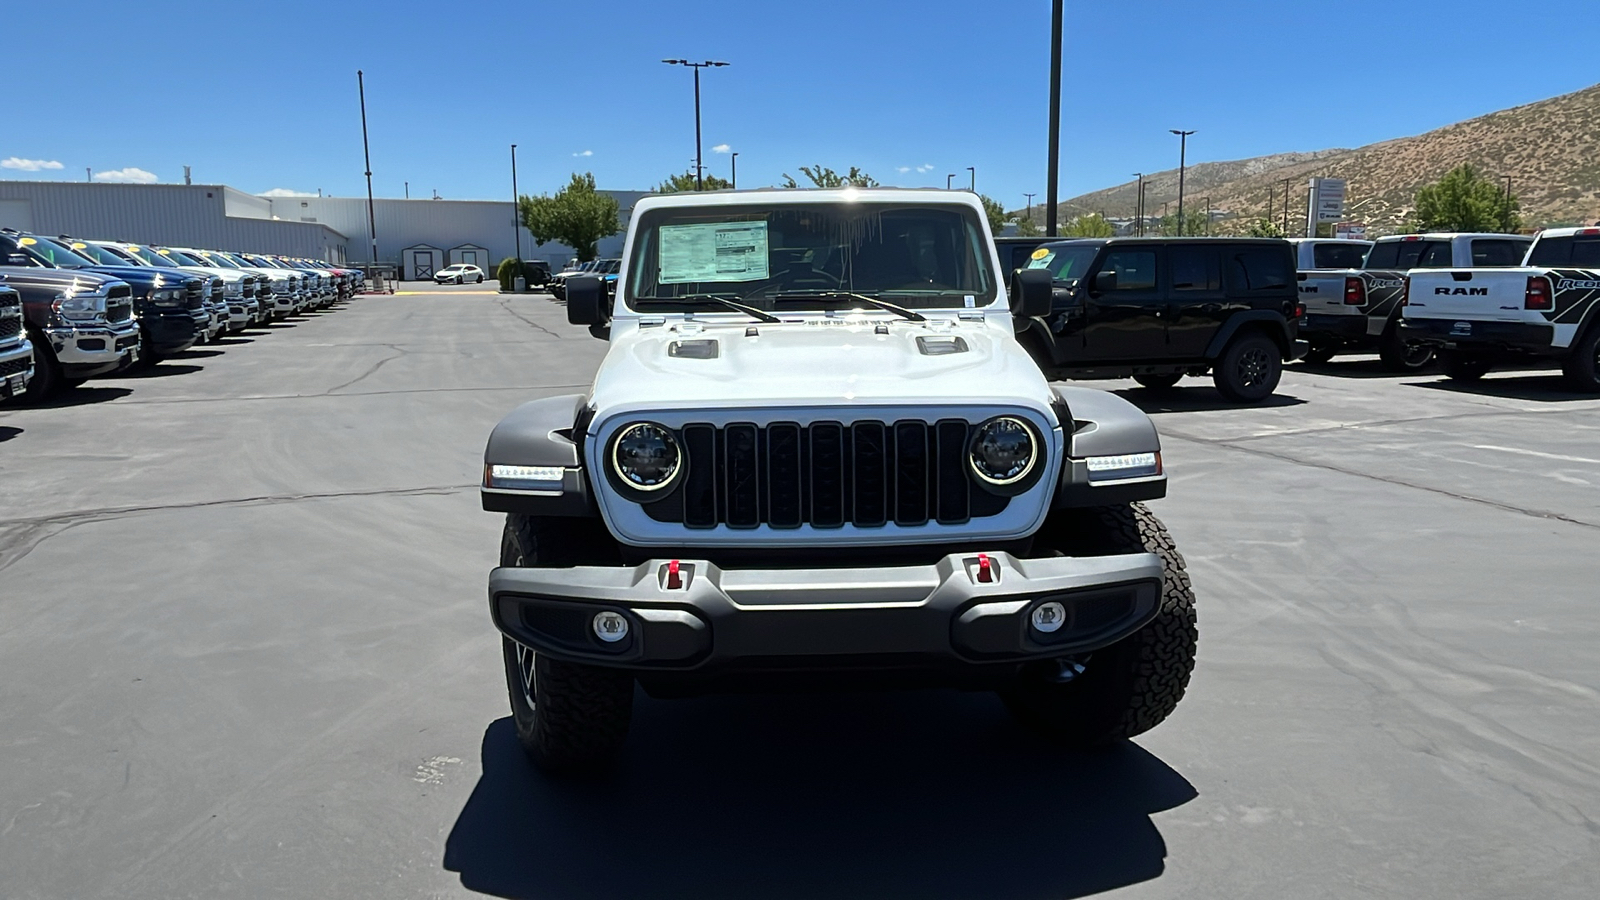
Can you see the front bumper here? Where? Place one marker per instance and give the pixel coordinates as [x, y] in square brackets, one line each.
[1325, 327]
[804, 619]
[16, 368]
[1527, 336]
[171, 332]
[85, 351]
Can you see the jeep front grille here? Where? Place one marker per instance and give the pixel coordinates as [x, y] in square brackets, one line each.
[826, 475]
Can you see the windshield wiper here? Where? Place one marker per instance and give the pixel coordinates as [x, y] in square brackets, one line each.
[758, 315]
[850, 295]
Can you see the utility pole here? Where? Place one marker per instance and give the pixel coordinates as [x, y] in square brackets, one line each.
[1208, 217]
[516, 218]
[366, 151]
[88, 174]
[735, 161]
[1183, 150]
[408, 190]
[973, 184]
[1052, 188]
[1138, 205]
[699, 160]
[1286, 207]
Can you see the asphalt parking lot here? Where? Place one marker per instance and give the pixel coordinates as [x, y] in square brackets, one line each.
[245, 651]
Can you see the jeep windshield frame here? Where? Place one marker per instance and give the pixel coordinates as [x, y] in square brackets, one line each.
[771, 256]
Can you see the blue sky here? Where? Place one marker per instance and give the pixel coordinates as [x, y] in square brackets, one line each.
[263, 95]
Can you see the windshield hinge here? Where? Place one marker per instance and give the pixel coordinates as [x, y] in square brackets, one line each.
[970, 316]
[652, 321]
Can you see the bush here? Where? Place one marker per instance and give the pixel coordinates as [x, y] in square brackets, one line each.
[507, 272]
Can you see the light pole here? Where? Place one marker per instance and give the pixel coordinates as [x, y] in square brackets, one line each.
[516, 222]
[366, 151]
[1138, 204]
[735, 161]
[1030, 205]
[973, 184]
[408, 186]
[699, 165]
[1286, 206]
[1208, 217]
[1183, 150]
[948, 179]
[1055, 118]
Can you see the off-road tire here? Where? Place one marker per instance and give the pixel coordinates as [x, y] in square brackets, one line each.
[1398, 356]
[47, 375]
[1158, 382]
[1132, 686]
[1322, 354]
[1582, 368]
[1249, 369]
[1463, 366]
[576, 716]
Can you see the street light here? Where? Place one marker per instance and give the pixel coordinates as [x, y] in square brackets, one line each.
[1183, 148]
[735, 160]
[1138, 204]
[973, 187]
[699, 166]
[1208, 217]
[948, 179]
[518, 282]
[1055, 118]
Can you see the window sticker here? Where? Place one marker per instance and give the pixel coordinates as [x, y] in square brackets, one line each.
[717, 251]
[1041, 253]
[27, 242]
[1041, 258]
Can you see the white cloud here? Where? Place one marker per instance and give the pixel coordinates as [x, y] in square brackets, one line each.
[28, 165]
[722, 148]
[130, 175]
[925, 168]
[902, 169]
[285, 192]
[584, 153]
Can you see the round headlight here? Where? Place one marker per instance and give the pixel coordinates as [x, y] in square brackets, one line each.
[646, 456]
[1003, 451]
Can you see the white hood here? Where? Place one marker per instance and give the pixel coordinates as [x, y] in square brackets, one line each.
[817, 361]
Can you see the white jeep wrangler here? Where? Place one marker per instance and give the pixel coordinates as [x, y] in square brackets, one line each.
[815, 456]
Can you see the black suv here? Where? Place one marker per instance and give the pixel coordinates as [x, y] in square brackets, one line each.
[1158, 309]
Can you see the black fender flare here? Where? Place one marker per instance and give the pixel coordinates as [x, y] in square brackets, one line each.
[1267, 320]
[540, 433]
[1038, 331]
[1100, 423]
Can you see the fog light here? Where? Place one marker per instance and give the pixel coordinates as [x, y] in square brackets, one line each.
[1048, 617]
[612, 627]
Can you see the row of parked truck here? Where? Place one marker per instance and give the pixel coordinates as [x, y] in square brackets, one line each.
[73, 309]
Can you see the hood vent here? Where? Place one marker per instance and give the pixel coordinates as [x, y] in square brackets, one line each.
[941, 346]
[696, 349]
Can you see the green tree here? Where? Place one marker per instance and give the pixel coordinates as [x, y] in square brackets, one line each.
[507, 272]
[1194, 224]
[1264, 227]
[1464, 200]
[685, 182]
[1091, 225]
[995, 212]
[1026, 226]
[578, 216]
[824, 177]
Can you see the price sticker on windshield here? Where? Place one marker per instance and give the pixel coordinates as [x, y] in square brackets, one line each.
[712, 252]
[27, 242]
[1040, 253]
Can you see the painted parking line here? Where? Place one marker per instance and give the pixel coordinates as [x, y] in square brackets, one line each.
[443, 293]
[1541, 455]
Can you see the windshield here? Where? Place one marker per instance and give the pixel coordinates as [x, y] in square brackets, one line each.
[177, 258]
[99, 254]
[56, 254]
[215, 259]
[922, 256]
[151, 257]
[1065, 262]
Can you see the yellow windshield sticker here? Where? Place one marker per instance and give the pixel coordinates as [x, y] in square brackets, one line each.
[164, 252]
[28, 242]
[79, 245]
[133, 247]
[1040, 253]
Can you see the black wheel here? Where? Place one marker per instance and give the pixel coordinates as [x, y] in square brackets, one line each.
[47, 378]
[1461, 365]
[1322, 353]
[1249, 369]
[1583, 366]
[1158, 382]
[479, 281]
[1399, 356]
[569, 716]
[1133, 685]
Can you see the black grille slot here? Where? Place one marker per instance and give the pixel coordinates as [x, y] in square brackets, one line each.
[868, 473]
[742, 469]
[10, 327]
[195, 296]
[119, 309]
[15, 366]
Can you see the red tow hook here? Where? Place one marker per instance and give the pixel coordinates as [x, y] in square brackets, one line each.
[985, 569]
[674, 579]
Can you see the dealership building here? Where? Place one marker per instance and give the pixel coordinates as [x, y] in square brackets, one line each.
[418, 237]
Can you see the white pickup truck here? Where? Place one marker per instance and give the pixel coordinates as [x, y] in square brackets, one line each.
[1364, 313]
[1546, 308]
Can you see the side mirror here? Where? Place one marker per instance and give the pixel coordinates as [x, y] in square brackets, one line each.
[1031, 293]
[1104, 281]
[586, 297]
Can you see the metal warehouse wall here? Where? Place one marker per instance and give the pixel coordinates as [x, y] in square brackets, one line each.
[438, 223]
[184, 215]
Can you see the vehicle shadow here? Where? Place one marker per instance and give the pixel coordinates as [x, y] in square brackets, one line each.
[1355, 367]
[162, 369]
[929, 794]
[7, 433]
[1543, 387]
[83, 396]
[1195, 399]
[233, 340]
[196, 354]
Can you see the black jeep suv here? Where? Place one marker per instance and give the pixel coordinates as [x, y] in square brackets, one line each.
[1158, 309]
